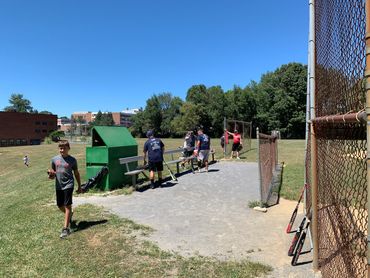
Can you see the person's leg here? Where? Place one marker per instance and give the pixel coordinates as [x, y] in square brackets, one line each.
[160, 178]
[206, 164]
[159, 168]
[67, 215]
[62, 209]
[151, 177]
[66, 231]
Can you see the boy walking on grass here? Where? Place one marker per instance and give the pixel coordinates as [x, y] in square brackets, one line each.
[63, 167]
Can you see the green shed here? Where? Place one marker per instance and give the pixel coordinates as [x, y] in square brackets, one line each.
[109, 143]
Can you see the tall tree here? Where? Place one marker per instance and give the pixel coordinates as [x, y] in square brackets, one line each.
[215, 109]
[170, 108]
[101, 119]
[19, 104]
[188, 119]
[285, 91]
[158, 115]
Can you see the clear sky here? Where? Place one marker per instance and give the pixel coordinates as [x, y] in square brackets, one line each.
[109, 55]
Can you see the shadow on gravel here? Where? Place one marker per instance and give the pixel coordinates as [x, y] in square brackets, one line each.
[83, 225]
[213, 170]
[303, 263]
[168, 184]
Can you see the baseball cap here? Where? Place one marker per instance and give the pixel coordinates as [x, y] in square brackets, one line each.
[149, 133]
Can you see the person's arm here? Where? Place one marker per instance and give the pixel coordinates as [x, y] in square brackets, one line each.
[197, 146]
[229, 132]
[145, 149]
[78, 179]
[51, 172]
[144, 154]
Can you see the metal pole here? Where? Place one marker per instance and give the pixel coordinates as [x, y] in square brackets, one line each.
[259, 164]
[367, 86]
[308, 118]
[314, 185]
[225, 137]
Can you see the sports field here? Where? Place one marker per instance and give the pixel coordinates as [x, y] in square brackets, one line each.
[106, 246]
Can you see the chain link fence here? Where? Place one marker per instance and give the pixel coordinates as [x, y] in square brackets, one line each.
[340, 138]
[267, 163]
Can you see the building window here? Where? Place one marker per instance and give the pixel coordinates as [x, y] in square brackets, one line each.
[44, 131]
[11, 142]
[44, 123]
[18, 142]
[4, 143]
[37, 130]
[24, 142]
[37, 123]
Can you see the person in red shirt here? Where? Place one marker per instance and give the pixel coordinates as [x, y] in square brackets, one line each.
[237, 143]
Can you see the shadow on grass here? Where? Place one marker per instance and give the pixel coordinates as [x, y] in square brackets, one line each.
[83, 225]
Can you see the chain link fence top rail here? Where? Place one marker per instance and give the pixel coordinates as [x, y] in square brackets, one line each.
[268, 161]
[341, 146]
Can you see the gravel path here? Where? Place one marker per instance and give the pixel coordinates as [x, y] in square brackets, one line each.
[208, 214]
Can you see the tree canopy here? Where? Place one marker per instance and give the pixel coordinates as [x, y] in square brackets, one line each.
[19, 104]
[277, 102]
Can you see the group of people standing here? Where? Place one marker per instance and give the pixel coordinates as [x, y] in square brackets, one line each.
[64, 167]
[198, 146]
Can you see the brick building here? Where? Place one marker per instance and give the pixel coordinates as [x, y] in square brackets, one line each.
[25, 128]
[120, 118]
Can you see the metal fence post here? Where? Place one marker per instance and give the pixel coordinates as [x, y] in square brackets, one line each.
[314, 184]
[367, 86]
[259, 164]
[225, 137]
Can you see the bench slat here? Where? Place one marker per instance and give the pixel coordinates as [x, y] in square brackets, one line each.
[134, 172]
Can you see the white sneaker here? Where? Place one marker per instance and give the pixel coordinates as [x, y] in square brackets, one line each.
[65, 232]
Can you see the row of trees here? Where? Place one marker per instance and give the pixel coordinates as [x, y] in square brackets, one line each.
[277, 102]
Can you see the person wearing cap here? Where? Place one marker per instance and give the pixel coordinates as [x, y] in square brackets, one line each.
[237, 143]
[154, 147]
[188, 147]
[202, 149]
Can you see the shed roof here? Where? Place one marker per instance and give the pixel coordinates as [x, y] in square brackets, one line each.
[112, 136]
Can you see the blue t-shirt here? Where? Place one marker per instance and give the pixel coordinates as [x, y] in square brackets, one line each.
[204, 141]
[154, 147]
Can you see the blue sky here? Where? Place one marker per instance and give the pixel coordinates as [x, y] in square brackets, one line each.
[89, 55]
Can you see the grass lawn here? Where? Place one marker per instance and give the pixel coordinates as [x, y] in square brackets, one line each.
[103, 244]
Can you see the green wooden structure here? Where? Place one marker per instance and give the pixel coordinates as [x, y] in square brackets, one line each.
[109, 143]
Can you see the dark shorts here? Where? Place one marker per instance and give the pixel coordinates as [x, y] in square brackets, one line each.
[235, 147]
[64, 197]
[188, 153]
[155, 166]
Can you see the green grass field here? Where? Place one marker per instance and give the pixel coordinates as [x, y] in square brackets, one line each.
[103, 245]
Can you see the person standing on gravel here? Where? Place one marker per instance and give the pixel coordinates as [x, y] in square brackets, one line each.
[202, 149]
[237, 143]
[154, 147]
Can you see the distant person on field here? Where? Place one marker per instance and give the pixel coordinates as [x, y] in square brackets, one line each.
[237, 143]
[189, 146]
[202, 149]
[26, 160]
[63, 166]
[154, 147]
